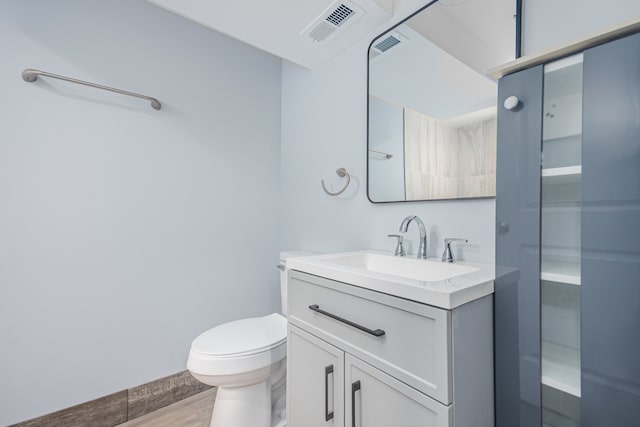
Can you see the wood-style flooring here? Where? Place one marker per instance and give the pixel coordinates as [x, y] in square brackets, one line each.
[194, 411]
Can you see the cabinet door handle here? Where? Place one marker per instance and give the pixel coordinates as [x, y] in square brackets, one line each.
[511, 103]
[375, 333]
[327, 415]
[354, 388]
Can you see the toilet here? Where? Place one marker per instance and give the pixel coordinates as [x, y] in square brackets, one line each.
[246, 360]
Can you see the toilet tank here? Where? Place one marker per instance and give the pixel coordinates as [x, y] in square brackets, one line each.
[283, 274]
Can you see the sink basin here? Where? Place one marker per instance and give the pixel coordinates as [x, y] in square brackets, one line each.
[445, 285]
[410, 268]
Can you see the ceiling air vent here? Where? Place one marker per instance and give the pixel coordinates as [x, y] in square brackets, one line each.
[339, 15]
[387, 42]
[334, 19]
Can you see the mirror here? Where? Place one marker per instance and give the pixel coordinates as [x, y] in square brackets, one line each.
[432, 108]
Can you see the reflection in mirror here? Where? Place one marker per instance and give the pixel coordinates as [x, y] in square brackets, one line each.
[432, 108]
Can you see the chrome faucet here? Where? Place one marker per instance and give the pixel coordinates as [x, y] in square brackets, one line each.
[447, 255]
[399, 245]
[422, 249]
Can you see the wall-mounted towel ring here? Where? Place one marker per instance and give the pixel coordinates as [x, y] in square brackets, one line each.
[342, 172]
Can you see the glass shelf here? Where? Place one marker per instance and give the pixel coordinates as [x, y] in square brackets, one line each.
[562, 175]
[563, 137]
[561, 368]
[561, 272]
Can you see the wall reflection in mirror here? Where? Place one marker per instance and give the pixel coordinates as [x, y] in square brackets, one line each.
[432, 108]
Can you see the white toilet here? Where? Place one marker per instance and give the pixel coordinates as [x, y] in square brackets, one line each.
[246, 360]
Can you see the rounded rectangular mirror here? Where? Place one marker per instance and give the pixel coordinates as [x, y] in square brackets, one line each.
[432, 107]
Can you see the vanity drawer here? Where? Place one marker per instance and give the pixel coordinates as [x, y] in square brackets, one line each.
[335, 311]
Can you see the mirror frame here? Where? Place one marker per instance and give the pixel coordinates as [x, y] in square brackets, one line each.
[518, 54]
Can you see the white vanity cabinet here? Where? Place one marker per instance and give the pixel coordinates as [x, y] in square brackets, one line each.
[362, 358]
[316, 363]
[376, 399]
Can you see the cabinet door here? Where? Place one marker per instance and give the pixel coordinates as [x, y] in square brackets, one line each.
[517, 284]
[611, 235]
[315, 378]
[421, 363]
[375, 399]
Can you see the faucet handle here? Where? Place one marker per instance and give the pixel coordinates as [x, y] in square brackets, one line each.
[400, 246]
[447, 255]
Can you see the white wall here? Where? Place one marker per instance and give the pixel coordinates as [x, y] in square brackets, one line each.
[125, 231]
[324, 120]
[548, 23]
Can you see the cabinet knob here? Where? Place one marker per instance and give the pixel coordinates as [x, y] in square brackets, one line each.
[511, 103]
[502, 228]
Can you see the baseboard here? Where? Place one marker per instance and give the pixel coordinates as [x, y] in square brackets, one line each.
[125, 405]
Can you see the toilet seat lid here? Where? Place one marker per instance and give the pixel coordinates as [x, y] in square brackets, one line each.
[243, 337]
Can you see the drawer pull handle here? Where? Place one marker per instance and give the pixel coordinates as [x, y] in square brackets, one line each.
[327, 371]
[354, 388]
[375, 333]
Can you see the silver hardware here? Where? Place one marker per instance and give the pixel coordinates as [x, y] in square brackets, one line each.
[399, 246]
[422, 249]
[386, 155]
[280, 267]
[375, 332]
[342, 172]
[30, 75]
[447, 255]
[511, 103]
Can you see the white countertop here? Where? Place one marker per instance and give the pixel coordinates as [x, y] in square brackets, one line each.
[428, 281]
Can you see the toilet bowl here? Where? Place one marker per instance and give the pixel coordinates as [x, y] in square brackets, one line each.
[246, 360]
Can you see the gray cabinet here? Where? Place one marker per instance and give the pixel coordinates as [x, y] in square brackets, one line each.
[568, 243]
[393, 361]
[329, 387]
[376, 399]
[313, 361]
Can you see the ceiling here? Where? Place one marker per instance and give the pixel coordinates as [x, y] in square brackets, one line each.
[480, 33]
[281, 27]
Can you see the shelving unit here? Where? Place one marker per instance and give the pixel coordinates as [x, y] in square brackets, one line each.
[566, 289]
[561, 177]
